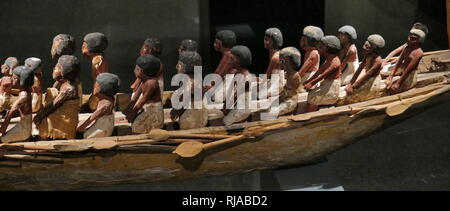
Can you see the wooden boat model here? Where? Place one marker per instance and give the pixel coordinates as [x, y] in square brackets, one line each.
[290, 140]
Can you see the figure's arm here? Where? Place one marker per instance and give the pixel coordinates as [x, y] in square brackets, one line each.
[370, 73]
[64, 95]
[317, 74]
[99, 112]
[351, 56]
[274, 64]
[411, 66]
[325, 73]
[146, 93]
[14, 109]
[358, 72]
[308, 65]
[224, 66]
[393, 53]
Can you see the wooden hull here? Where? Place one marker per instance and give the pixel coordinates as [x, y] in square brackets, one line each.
[299, 144]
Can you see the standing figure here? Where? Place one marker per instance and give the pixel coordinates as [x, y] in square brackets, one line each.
[93, 48]
[6, 83]
[329, 76]
[242, 59]
[101, 122]
[290, 59]
[190, 118]
[407, 64]
[146, 111]
[23, 78]
[35, 65]
[273, 40]
[368, 86]
[58, 118]
[311, 36]
[151, 46]
[348, 54]
[225, 40]
[187, 45]
[390, 61]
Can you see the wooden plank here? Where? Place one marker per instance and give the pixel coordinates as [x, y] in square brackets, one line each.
[448, 20]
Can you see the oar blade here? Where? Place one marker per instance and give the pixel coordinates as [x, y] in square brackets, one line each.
[159, 135]
[398, 109]
[189, 149]
[103, 145]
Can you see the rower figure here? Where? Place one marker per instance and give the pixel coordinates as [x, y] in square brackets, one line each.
[35, 65]
[329, 76]
[187, 45]
[242, 59]
[6, 83]
[58, 117]
[273, 40]
[23, 78]
[101, 122]
[390, 61]
[93, 48]
[368, 86]
[225, 40]
[407, 64]
[290, 59]
[146, 112]
[311, 36]
[151, 46]
[190, 118]
[348, 54]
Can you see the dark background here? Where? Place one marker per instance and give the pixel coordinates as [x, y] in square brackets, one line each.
[413, 155]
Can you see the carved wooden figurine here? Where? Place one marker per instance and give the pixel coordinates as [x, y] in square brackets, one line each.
[390, 61]
[23, 78]
[93, 48]
[58, 118]
[369, 86]
[6, 83]
[225, 40]
[101, 122]
[190, 118]
[242, 59]
[273, 40]
[407, 63]
[348, 54]
[35, 65]
[328, 75]
[310, 38]
[151, 46]
[290, 59]
[187, 45]
[146, 111]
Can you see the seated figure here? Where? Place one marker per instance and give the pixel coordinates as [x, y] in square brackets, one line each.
[58, 117]
[187, 45]
[35, 65]
[23, 78]
[290, 59]
[348, 53]
[101, 122]
[311, 36]
[145, 112]
[190, 118]
[329, 76]
[407, 64]
[6, 83]
[368, 86]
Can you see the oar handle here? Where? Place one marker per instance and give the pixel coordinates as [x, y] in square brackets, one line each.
[224, 141]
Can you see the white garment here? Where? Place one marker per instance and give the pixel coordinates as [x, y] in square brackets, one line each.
[103, 127]
[20, 132]
[349, 71]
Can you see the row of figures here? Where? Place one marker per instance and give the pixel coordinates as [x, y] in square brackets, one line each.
[57, 111]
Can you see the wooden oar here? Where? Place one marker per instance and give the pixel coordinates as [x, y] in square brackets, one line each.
[194, 148]
[162, 135]
[402, 106]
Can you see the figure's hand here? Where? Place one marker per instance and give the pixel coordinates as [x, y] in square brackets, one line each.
[37, 119]
[395, 88]
[349, 89]
[308, 86]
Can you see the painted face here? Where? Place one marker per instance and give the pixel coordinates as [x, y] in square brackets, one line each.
[322, 48]
[236, 61]
[57, 73]
[181, 49]
[284, 62]
[180, 67]
[413, 38]
[268, 42]
[367, 48]
[96, 88]
[137, 71]
[145, 49]
[84, 49]
[343, 38]
[303, 41]
[6, 70]
[15, 80]
[217, 45]
[56, 42]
